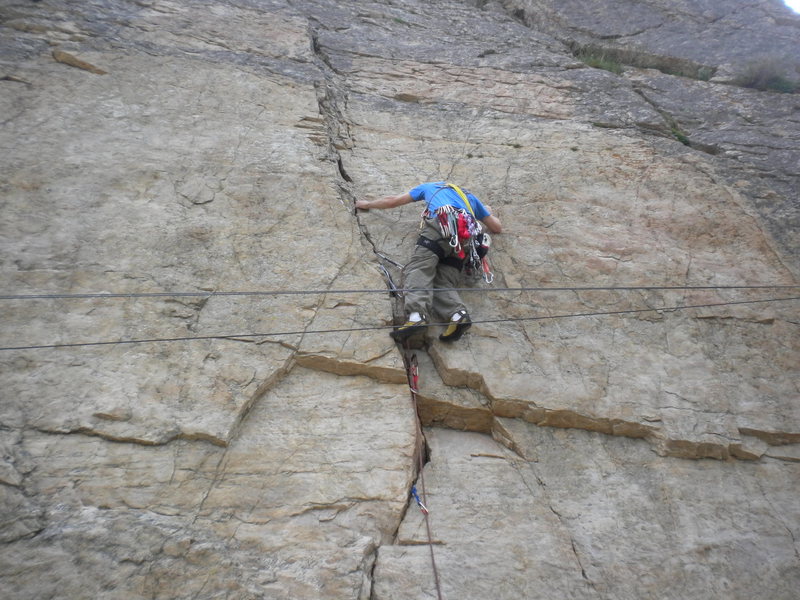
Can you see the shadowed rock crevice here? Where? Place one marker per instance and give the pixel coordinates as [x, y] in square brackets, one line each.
[627, 57]
[332, 97]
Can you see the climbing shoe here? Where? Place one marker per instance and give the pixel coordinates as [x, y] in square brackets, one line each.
[409, 328]
[459, 323]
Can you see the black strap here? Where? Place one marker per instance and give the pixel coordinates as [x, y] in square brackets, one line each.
[433, 246]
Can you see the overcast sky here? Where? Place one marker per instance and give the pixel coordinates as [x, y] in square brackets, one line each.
[795, 4]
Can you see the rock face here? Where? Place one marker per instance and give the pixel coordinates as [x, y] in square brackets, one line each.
[163, 437]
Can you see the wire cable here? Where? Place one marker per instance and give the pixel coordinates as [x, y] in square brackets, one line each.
[246, 336]
[210, 294]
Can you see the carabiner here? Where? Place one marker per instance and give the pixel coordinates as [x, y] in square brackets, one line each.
[488, 276]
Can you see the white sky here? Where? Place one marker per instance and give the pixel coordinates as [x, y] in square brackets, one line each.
[793, 4]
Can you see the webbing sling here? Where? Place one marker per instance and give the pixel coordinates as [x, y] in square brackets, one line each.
[463, 197]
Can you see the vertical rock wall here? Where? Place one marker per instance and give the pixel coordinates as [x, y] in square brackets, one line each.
[267, 450]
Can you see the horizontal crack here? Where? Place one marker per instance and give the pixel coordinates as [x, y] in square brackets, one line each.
[337, 366]
[473, 409]
[773, 438]
[139, 441]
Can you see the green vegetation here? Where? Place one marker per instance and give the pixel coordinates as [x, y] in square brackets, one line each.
[616, 59]
[705, 73]
[599, 60]
[680, 135]
[766, 74]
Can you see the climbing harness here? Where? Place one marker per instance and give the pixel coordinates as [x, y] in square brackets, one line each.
[412, 373]
[433, 246]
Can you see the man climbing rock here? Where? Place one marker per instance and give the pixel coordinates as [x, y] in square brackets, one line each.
[449, 235]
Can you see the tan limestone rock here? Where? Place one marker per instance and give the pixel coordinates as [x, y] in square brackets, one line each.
[242, 428]
[547, 525]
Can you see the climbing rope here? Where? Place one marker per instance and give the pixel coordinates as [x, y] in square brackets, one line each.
[412, 373]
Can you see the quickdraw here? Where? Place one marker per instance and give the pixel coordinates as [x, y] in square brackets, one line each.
[449, 219]
[485, 243]
[457, 226]
[464, 234]
[422, 507]
[488, 276]
[413, 374]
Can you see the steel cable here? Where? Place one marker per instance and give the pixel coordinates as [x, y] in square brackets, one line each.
[246, 336]
[211, 294]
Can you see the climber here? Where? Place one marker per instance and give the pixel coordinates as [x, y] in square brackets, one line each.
[447, 233]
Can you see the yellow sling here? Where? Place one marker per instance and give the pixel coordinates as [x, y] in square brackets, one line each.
[463, 197]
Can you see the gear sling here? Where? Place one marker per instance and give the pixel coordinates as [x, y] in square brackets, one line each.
[464, 235]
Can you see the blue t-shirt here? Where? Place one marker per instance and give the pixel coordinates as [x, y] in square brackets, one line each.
[438, 194]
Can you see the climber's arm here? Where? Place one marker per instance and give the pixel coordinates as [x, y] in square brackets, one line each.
[492, 224]
[385, 202]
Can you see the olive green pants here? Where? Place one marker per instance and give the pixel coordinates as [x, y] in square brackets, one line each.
[425, 271]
